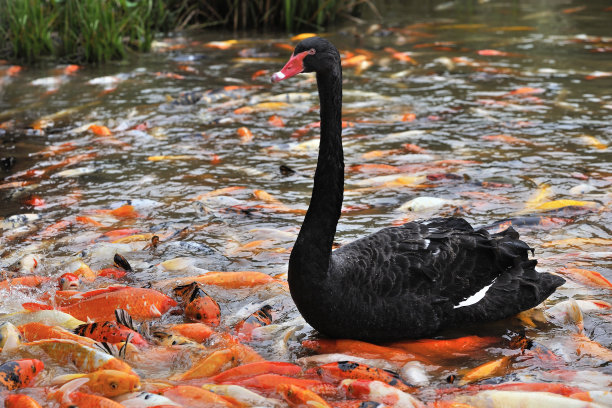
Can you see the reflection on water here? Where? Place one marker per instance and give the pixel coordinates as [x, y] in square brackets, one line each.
[490, 111]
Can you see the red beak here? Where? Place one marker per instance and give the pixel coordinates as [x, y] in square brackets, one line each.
[294, 66]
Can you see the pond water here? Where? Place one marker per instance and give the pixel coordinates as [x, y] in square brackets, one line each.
[499, 113]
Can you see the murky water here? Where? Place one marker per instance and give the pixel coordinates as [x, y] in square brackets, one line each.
[491, 113]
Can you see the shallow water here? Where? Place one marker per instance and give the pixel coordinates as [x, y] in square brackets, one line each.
[498, 134]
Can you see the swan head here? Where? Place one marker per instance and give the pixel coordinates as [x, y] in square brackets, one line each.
[314, 54]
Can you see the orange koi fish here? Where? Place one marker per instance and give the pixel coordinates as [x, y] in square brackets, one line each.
[125, 211]
[211, 365]
[84, 358]
[508, 139]
[20, 401]
[198, 332]
[588, 277]
[85, 272]
[109, 383]
[459, 347]
[257, 368]
[245, 134]
[28, 280]
[261, 317]
[359, 348]
[200, 307]
[113, 273]
[190, 396]
[555, 388]
[227, 280]
[99, 130]
[68, 281]
[203, 309]
[87, 220]
[374, 168]
[276, 121]
[142, 304]
[69, 397]
[38, 331]
[298, 397]
[19, 373]
[341, 370]
[110, 332]
[270, 383]
[495, 368]
[380, 392]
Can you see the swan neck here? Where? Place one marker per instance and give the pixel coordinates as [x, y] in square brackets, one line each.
[311, 253]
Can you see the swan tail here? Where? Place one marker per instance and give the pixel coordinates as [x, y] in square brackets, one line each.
[519, 287]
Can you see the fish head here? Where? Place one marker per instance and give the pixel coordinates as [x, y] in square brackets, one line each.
[205, 310]
[10, 337]
[69, 281]
[112, 383]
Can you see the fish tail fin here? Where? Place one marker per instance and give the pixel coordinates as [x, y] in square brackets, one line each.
[575, 316]
[35, 307]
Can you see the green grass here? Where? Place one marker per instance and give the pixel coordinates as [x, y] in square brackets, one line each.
[101, 30]
[79, 30]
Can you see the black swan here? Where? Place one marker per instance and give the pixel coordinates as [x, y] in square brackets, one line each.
[400, 282]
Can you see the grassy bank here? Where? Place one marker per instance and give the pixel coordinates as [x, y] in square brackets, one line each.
[101, 30]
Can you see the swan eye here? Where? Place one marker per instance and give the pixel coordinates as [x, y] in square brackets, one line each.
[311, 51]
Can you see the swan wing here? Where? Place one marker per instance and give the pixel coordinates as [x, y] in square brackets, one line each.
[442, 259]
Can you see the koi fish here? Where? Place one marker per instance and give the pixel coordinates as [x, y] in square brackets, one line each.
[20, 401]
[19, 373]
[31, 281]
[109, 383]
[69, 281]
[110, 332]
[145, 399]
[212, 364]
[347, 369]
[458, 347]
[588, 277]
[270, 382]
[257, 368]
[298, 397]
[51, 317]
[198, 332]
[10, 337]
[69, 397]
[189, 396]
[84, 358]
[140, 302]
[359, 348]
[495, 368]
[242, 395]
[227, 280]
[380, 392]
[38, 331]
[168, 339]
[261, 317]
[577, 242]
[512, 399]
[200, 307]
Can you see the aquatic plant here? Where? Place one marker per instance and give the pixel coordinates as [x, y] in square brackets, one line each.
[98, 31]
[79, 30]
[290, 15]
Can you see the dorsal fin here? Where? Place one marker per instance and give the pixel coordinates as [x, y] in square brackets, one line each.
[124, 318]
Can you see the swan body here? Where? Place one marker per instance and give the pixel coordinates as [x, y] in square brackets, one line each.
[400, 282]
